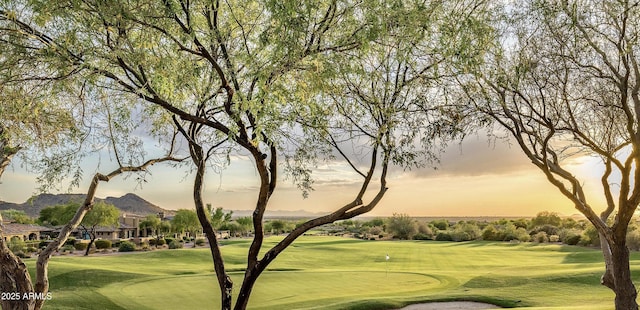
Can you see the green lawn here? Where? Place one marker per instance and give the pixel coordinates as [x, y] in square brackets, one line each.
[335, 273]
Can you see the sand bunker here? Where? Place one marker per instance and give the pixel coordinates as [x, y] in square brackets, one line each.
[451, 305]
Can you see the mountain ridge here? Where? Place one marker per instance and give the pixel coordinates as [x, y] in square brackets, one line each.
[129, 203]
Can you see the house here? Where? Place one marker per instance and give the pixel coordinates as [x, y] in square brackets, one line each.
[25, 231]
[129, 227]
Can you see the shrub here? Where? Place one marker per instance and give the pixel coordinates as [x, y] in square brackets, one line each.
[200, 241]
[68, 248]
[424, 229]
[168, 240]
[590, 236]
[80, 246]
[102, 244]
[541, 237]
[70, 241]
[512, 233]
[126, 246]
[160, 242]
[31, 249]
[175, 245]
[16, 244]
[421, 236]
[440, 224]
[570, 236]
[554, 238]
[152, 242]
[375, 230]
[443, 236]
[572, 240]
[465, 232]
[402, 226]
[22, 255]
[490, 233]
[549, 229]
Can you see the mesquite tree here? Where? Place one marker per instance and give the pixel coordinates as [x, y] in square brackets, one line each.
[51, 124]
[268, 79]
[563, 79]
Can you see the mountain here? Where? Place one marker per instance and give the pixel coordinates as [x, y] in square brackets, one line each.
[278, 213]
[129, 203]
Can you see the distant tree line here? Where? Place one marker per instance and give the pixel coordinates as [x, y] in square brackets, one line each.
[544, 227]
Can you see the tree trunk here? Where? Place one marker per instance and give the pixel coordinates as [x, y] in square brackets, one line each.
[624, 289]
[86, 252]
[607, 278]
[250, 278]
[14, 277]
[224, 281]
[15, 280]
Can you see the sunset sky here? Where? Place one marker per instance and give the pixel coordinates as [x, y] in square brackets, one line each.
[475, 178]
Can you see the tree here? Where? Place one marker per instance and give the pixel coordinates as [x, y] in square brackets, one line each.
[245, 223]
[58, 215]
[277, 226]
[17, 216]
[546, 218]
[151, 222]
[563, 80]
[186, 221]
[101, 215]
[267, 79]
[402, 226]
[31, 121]
[218, 217]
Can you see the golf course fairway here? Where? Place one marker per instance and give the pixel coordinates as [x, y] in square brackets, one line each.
[319, 272]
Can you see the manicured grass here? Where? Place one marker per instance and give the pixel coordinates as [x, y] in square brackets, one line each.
[335, 273]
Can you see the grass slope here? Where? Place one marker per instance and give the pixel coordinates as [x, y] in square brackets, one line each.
[336, 273]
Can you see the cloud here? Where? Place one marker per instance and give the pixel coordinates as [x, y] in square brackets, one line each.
[476, 156]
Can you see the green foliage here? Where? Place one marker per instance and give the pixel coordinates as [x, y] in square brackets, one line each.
[374, 222]
[443, 236]
[200, 241]
[68, 248]
[547, 218]
[126, 246]
[175, 245]
[103, 244]
[277, 226]
[185, 221]
[421, 236]
[150, 221]
[590, 237]
[440, 224]
[80, 246]
[16, 244]
[490, 233]
[246, 223]
[102, 214]
[546, 228]
[16, 216]
[402, 226]
[233, 228]
[58, 214]
[218, 217]
[465, 232]
[540, 237]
